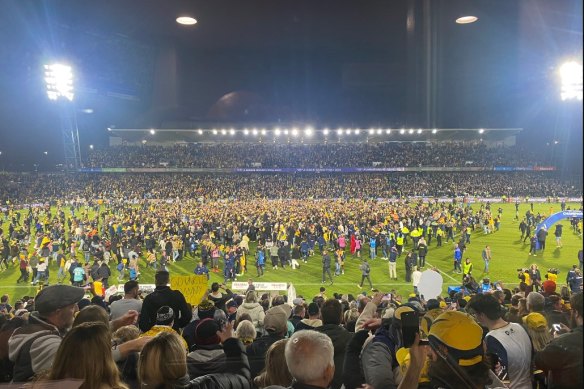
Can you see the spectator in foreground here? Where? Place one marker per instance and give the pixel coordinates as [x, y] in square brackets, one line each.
[32, 347]
[455, 361]
[172, 374]
[162, 296]
[562, 358]
[131, 301]
[310, 360]
[508, 342]
[276, 372]
[95, 365]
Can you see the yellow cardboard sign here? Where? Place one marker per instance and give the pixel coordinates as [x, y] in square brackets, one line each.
[193, 287]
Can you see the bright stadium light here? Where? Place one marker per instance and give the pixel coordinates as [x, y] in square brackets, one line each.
[357, 131]
[419, 130]
[59, 80]
[91, 147]
[402, 131]
[200, 131]
[231, 131]
[371, 131]
[466, 19]
[388, 131]
[254, 131]
[481, 131]
[263, 131]
[340, 132]
[152, 132]
[277, 132]
[571, 78]
[434, 131]
[245, 131]
[379, 131]
[294, 132]
[214, 131]
[325, 131]
[308, 131]
[411, 131]
[348, 131]
[286, 131]
[186, 20]
[223, 131]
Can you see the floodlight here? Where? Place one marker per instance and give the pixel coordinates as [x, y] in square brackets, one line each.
[434, 131]
[466, 19]
[91, 147]
[357, 131]
[388, 131]
[186, 20]
[340, 131]
[325, 131]
[411, 131]
[254, 131]
[379, 131]
[419, 130]
[402, 131]
[308, 131]
[245, 131]
[481, 131]
[223, 131]
[348, 131]
[214, 131]
[285, 131]
[277, 132]
[263, 131]
[200, 131]
[59, 80]
[294, 132]
[231, 131]
[152, 132]
[571, 77]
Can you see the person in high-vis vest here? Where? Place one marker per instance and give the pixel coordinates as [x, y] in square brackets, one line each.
[466, 268]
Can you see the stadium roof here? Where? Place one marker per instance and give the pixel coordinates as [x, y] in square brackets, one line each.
[299, 134]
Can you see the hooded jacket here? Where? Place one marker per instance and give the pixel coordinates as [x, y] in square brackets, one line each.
[255, 311]
[206, 360]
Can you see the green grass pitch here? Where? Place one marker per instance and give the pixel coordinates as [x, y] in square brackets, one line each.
[508, 253]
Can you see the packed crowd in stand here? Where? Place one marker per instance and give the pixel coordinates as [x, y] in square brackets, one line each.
[331, 155]
[38, 188]
[254, 340]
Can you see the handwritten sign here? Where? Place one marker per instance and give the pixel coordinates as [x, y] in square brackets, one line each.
[193, 287]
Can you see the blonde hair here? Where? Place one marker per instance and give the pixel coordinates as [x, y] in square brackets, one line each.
[95, 365]
[246, 331]
[276, 371]
[91, 313]
[126, 333]
[162, 361]
[540, 337]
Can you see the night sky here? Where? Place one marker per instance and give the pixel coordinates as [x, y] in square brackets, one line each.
[342, 63]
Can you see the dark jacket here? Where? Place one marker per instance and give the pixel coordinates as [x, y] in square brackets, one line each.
[352, 373]
[562, 360]
[340, 338]
[256, 352]
[162, 296]
[206, 360]
[237, 365]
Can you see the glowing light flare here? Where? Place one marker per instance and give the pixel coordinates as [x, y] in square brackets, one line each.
[571, 79]
[466, 19]
[59, 81]
[186, 20]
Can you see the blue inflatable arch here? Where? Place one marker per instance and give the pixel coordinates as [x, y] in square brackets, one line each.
[556, 217]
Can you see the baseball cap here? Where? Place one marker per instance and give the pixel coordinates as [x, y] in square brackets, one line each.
[164, 315]
[447, 328]
[398, 312]
[276, 318]
[54, 297]
[535, 321]
[231, 304]
[298, 301]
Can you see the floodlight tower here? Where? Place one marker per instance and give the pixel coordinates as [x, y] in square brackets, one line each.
[571, 77]
[59, 81]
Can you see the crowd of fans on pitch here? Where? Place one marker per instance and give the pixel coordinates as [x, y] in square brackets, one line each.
[532, 333]
[331, 155]
[524, 337]
[32, 188]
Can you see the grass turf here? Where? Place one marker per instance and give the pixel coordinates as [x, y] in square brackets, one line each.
[508, 254]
